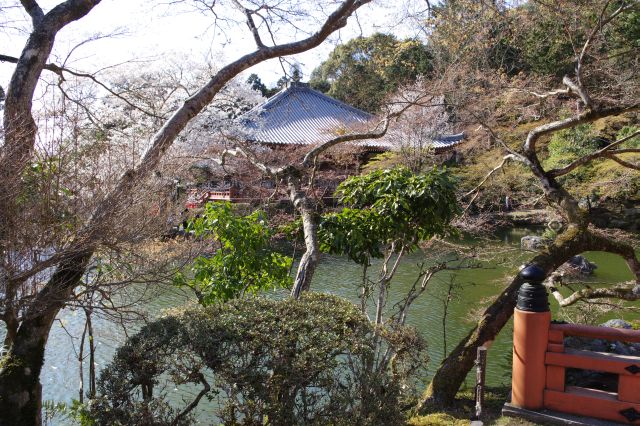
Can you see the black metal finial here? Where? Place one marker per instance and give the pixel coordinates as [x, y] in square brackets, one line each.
[533, 274]
[532, 295]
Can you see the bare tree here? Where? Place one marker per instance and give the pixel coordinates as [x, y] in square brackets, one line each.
[29, 327]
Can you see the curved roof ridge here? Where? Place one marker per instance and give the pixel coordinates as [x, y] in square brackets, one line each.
[450, 138]
[273, 101]
[337, 102]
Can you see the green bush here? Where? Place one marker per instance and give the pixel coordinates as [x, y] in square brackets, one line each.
[243, 263]
[388, 206]
[307, 361]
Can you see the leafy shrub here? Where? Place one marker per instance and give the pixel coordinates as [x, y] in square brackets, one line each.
[243, 261]
[386, 206]
[307, 361]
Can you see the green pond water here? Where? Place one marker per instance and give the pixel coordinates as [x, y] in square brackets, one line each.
[339, 276]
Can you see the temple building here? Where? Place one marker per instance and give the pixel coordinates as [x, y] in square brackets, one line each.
[299, 116]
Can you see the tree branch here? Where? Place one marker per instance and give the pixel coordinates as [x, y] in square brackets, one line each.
[623, 162]
[585, 117]
[625, 151]
[602, 242]
[506, 158]
[578, 90]
[580, 60]
[238, 151]
[311, 156]
[59, 70]
[33, 9]
[604, 152]
[628, 291]
[251, 24]
[495, 169]
[205, 388]
[546, 94]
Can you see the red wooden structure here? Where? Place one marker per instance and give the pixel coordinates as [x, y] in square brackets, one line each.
[539, 370]
[197, 198]
[621, 406]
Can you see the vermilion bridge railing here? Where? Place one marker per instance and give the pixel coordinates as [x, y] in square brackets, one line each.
[541, 360]
[621, 406]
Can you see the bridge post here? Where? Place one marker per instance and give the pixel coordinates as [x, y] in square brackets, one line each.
[531, 320]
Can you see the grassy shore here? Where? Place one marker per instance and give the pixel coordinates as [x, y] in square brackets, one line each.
[460, 413]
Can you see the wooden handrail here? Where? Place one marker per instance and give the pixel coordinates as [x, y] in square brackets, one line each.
[607, 333]
[589, 360]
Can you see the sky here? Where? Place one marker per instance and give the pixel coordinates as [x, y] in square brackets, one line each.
[156, 30]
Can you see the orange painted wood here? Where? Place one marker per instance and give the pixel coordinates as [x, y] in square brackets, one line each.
[588, 402]
[607, 333]
[597, 361]
[555, 378]
[530, 337]
[555, 347]
[629, 388]
[591, 393]
[556, 336]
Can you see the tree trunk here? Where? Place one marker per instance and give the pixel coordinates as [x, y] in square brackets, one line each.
[80, 367]
[20, 388]
[454, 368]
[92, 358]
[309, 260]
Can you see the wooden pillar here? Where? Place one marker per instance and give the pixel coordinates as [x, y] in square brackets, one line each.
[531, 322]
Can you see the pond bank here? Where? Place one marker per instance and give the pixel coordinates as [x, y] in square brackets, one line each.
[626, 218]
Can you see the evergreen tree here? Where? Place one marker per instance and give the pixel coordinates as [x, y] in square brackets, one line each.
[365, 70]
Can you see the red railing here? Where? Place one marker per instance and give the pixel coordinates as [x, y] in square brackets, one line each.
[197, 198]
[621, 406]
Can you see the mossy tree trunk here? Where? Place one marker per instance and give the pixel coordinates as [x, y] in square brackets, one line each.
[454, 368]
[20, 388]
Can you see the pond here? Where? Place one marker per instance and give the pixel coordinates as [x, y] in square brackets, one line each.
[340, 276]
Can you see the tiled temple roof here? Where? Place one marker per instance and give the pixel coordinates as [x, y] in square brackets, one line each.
[299, 115]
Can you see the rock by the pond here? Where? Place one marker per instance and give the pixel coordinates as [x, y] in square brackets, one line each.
[617, 323]
[532, 242]
[582, 265]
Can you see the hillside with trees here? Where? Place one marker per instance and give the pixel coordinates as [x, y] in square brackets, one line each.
[500, 53]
